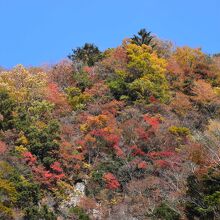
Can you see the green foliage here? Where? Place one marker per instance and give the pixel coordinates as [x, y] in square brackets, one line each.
[109, 166]
[36, 213]
[7, 106]
[40, 111]
[144, 77]
[204, 196]
[119, 88]
[214, 199]
[41, 132]
[166, 212]
[143, 37]
[16, 189]
[79, 212]
[76, 98]
[88, 54]
[82, 80]
[44, 142]
[28, 191]
[8, 197]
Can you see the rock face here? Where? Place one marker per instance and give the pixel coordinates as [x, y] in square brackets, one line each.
[73, 200]
[79, 192]
[80, 187]
[74, 197]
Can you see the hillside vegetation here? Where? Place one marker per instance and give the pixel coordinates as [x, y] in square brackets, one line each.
[129, 133]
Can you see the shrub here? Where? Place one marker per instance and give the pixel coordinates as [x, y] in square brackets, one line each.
[36, 213]
[76, 98]
[166, 212]
[79, 212]
[179, 131]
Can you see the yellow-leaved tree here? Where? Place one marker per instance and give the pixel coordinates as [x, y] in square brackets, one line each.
[22, 85]
[144, 76]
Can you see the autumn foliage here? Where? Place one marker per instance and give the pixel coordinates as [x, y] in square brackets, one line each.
[3, 147]
[111, 181]
[131, 132]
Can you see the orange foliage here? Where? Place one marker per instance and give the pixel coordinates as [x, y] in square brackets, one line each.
[98, 89]
[2, 147]
[29, 158]
[216, 60]
[204, 92]
[197, 154]
[142, 165]
[116, 59]
[118, 150]
[87, 203]
[56, 97]
[161, 164]
[174, 68]
[181, 104]
[152, 121]
[47, 177]
[154, 154]
[189, 58]
[112, 107]
[42, 175]
[56, 167]
[102, 126]
[111, 181]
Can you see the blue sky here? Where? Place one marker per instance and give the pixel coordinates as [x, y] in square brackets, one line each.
[35, 32]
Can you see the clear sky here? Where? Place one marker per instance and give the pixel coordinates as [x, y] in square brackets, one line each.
[35, 32]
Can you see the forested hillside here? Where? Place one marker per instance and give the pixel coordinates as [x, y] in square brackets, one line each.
[129, 133]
